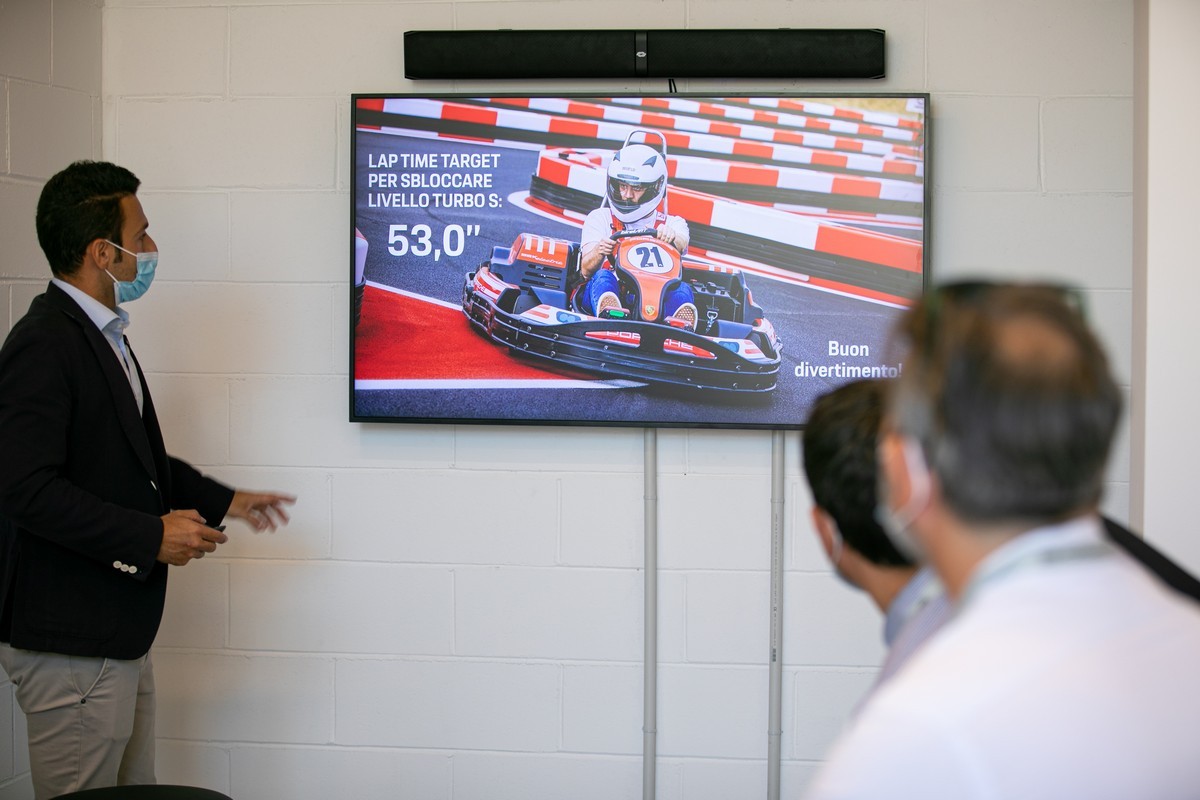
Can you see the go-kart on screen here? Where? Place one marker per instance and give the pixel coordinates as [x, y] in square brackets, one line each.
[667, 261]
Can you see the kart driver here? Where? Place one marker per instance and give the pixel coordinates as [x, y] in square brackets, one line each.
[635, 199]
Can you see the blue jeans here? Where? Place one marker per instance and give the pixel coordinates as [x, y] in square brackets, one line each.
[605, 280]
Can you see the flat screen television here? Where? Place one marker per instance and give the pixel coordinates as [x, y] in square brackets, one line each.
[667, 260]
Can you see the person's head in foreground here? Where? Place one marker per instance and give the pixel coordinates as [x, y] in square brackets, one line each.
[1068, 670]
[1003, 417]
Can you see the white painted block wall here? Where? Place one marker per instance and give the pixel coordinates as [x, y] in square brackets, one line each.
[455, 612]
[50, 115]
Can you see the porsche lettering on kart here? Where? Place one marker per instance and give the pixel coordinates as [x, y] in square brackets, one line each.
[523, 297]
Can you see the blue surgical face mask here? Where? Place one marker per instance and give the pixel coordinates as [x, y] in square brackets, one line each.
[128, 291]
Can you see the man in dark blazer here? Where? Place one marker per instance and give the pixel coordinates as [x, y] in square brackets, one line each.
[92, 509]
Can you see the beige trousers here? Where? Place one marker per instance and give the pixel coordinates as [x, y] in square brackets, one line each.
[91, 720]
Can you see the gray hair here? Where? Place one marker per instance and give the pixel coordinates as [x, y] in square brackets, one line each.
[1011, 398]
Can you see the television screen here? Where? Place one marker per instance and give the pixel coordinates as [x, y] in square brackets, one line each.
[646, 260]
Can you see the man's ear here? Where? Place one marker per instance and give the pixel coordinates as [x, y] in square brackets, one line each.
[824, 526]
[99, 252]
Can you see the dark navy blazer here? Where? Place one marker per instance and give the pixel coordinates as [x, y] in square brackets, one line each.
[84, 480]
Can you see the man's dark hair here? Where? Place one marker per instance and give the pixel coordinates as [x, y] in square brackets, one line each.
[1011, 398]
[839, 461]
[79, 205]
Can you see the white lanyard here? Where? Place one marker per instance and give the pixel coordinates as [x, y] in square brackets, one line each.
[1041, 558]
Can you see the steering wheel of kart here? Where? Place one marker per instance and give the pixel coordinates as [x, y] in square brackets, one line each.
[630, 233]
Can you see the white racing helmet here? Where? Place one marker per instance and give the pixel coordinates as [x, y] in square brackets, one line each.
[637, 165]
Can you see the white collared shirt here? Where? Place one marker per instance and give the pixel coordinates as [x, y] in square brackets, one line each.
[112, 324]
[1068, 672]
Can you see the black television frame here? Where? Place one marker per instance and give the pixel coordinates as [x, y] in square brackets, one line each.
[413, 398]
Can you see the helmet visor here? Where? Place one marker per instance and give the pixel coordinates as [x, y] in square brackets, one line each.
[626, 195]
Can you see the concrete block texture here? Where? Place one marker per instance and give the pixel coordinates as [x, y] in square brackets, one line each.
[204, 764]
[22, 258]
[240, 332]
[252, 697]
[824, 704]
[445, 516]
[714, 521]
[318, 773]
[279, 143]
[168, 51]
[198, 427]
[827, 622]
[77, 48]
[197, 610]
[25, 37]
[305, 538]
[602, 708]
[1087, 142]
[1030, 47]
[558, 613]
[460, 705]
[497, 776]
[456, 611]
[273, 238]
[1085, 239]
[695, 702]
[341, 608]
[986, 143]
[49, 127]
[602, 520]
[268, 411]
[324, 49]
[192, 231]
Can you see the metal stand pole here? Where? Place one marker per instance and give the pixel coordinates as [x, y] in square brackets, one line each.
[650, 648]
[775, 718]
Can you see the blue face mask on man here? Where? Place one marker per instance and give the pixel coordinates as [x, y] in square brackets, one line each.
[147, 263]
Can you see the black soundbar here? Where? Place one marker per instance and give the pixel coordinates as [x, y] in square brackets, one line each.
[773, 53]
